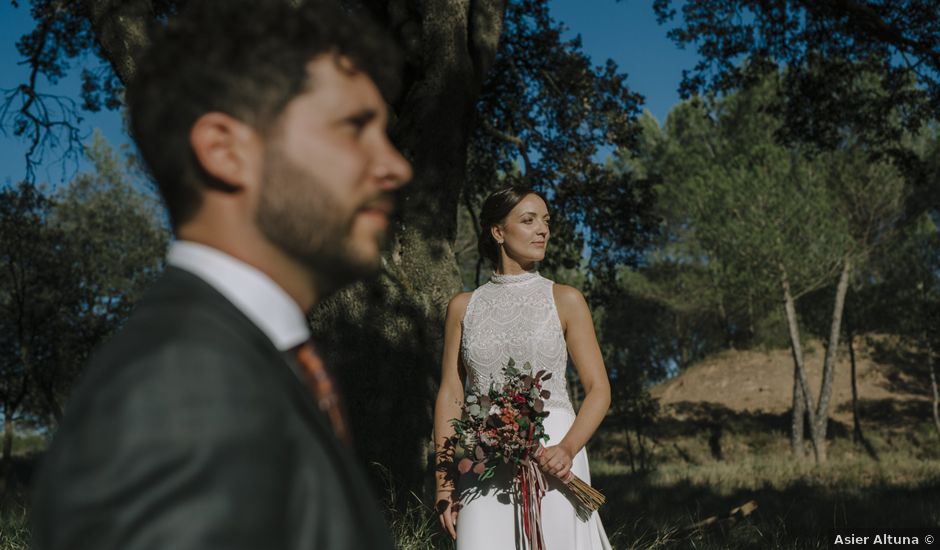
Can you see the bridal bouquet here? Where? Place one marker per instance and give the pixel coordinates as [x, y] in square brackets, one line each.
[505, 425]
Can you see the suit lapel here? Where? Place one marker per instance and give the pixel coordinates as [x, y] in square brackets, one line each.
[178, 284]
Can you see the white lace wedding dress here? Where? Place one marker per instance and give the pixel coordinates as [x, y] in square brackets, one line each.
[514, 316]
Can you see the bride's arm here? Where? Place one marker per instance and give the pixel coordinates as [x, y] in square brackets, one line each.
[582, 344]
[448, 406]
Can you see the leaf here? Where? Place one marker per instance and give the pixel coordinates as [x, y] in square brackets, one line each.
[539, 405]
[486, 402]
[471, 399]
[539, 374]
[464, 465]
[478, 452]
[546, 394]
[547, 376]
[488, 473]
[474, 410]
[511, 363]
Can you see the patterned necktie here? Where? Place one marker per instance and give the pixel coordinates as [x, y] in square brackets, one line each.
[324, 390]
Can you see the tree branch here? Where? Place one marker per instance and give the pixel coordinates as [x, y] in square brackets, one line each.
[515, 140]
[121, 28]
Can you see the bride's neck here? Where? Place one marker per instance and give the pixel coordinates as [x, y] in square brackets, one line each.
[512, 267]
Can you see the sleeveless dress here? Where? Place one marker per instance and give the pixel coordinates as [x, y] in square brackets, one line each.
[514, 316]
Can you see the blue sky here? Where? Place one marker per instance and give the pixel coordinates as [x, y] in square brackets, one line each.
[624, 31]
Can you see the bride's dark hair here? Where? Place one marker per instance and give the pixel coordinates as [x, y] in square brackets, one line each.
[496, 207]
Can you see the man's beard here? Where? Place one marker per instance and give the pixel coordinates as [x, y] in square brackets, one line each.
[300, 216]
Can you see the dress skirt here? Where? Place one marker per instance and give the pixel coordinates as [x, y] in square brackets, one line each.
[490, 516]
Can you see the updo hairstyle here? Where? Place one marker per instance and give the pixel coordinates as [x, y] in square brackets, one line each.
[495, 209]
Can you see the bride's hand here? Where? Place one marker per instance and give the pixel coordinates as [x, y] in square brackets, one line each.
[556, 460]
[447, 509]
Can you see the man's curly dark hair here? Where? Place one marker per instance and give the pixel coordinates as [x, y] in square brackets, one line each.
[245, 58]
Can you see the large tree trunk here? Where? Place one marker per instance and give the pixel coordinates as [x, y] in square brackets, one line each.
[829, 364]
[801, 386]
[384, 337]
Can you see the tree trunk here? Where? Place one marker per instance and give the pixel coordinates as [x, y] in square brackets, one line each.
[7, 443]
[857, 434]
[801, 386]
[797, 417]
[829, 364]
[725, 322]
[933, 383]
[385, 338]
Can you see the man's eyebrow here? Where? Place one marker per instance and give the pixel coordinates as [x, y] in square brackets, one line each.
[361, 117]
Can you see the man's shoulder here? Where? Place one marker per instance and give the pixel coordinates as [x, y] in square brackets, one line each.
[181, 310]
[183, 343]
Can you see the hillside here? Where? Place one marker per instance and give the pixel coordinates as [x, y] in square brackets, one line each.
[893, 382]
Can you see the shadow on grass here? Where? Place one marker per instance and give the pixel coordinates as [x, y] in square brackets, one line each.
[905, 368]
[798, 516]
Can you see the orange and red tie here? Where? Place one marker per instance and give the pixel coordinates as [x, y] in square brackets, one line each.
[324, 390]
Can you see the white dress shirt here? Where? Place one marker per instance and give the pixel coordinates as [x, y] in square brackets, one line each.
[262, 300]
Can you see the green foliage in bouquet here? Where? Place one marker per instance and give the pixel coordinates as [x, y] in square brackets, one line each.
[505, 424]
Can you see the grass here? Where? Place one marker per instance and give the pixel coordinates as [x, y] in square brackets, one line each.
[798, 502]
[14, 534]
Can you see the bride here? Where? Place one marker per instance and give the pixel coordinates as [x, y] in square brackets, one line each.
[521, 315]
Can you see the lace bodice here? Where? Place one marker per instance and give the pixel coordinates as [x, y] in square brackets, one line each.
[515, 316]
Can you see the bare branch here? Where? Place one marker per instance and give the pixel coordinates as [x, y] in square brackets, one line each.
[515, 140]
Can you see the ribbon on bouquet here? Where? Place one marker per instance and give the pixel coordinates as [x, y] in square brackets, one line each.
[532, 487]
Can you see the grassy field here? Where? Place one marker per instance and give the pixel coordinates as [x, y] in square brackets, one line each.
[797, 501]
[685, 482]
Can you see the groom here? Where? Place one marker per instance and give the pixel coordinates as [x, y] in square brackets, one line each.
[209, 420]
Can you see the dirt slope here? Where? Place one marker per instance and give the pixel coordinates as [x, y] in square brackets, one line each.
[890, 378]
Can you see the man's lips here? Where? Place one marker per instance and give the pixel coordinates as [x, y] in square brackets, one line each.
[378, 210]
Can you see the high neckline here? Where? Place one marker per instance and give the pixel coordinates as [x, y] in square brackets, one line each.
[507, 279]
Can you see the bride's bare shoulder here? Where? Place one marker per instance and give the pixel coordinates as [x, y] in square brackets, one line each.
[458, 304]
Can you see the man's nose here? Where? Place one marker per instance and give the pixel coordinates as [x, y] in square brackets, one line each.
[392, 168]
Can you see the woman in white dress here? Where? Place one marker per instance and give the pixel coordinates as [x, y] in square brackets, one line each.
[521, 315]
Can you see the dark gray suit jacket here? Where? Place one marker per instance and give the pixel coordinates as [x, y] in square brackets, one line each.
[190, 430]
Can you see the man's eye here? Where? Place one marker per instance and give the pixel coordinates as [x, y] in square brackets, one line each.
[357, 126]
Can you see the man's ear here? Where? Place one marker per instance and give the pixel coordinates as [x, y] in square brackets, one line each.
[227, 149]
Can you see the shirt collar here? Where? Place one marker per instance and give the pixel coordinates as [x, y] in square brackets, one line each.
[255, 294]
